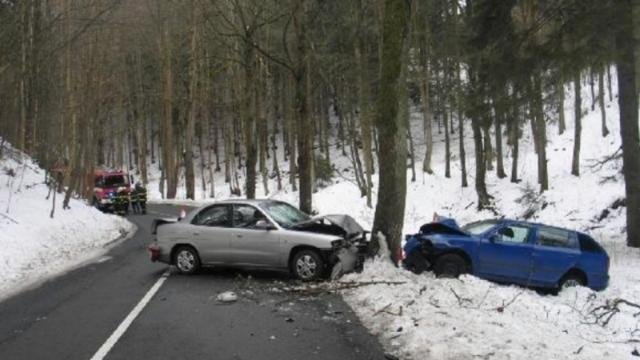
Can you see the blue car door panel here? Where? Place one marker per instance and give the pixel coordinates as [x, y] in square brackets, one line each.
[555, 252]
[506, 254]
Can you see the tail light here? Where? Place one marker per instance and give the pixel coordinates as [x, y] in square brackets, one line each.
[154, 252]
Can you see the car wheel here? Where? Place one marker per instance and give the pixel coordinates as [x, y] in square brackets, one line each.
[307, 265]
[186, 260]
[450, 266]
[572, 280]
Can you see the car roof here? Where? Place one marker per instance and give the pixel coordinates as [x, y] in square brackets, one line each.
[243, 201]
[528, 223]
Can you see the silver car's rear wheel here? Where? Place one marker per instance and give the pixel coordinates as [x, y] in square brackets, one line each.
[186, 260]
[307, 265]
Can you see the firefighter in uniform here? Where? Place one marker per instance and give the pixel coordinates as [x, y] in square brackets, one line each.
[121, 202]
[139, 199]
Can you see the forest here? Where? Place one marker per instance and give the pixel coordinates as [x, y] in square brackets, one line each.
[264, 89]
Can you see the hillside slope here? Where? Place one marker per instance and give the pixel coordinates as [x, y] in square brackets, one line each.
[34, 245]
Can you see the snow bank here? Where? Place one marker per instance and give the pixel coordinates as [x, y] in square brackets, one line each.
[35, 246]
[468, 318]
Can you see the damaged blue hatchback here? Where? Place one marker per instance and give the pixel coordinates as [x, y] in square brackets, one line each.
[509, 251]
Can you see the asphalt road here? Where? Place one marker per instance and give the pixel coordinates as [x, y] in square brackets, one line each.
[76, 314]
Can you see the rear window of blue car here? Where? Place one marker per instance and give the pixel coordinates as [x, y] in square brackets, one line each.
[553, 237]
[588, 244]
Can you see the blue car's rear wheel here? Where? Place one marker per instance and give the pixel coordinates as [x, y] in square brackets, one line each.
[450, 266]
[572, 280]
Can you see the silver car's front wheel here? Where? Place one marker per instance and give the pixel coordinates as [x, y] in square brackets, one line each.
[186, 260]
[307, 265]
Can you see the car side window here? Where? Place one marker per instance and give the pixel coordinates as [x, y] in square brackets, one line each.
[554, 238]
[246, 216]
[216, 216]
[513, 234]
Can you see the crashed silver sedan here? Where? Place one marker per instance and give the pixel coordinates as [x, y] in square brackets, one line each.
[260, 234]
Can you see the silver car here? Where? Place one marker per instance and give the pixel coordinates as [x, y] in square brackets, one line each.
[259, 234]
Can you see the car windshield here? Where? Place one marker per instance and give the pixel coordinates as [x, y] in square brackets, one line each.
[114, 181]
[284, 214]
[477, 228]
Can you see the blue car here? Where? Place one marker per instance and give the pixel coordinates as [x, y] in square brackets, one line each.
[509, 251]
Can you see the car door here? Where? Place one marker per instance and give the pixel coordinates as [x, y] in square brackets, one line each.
[251, 246]
[555, 252]
[506, 253]
[210, 233]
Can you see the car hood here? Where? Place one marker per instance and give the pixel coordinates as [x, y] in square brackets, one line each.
[442, 225]
[333, 224]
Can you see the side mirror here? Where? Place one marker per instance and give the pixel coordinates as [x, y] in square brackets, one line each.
[264, 225]
[493, 238]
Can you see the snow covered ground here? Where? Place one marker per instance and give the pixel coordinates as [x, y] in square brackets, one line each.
[35, 246]
[428, 318]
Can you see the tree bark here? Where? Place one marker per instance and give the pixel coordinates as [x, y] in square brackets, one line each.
[628, 102]
[305, 139]
[562, 124]
[603, 111]
[190, 181]
[168, 147]
[389, 214]
[499, 156]
[575, 162]
[365, 116]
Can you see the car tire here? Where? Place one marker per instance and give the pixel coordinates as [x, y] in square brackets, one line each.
[307, 265]
[186, 260]
[450, 266]
[572, 280]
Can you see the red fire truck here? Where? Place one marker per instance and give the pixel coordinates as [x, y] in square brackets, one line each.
[112, 191]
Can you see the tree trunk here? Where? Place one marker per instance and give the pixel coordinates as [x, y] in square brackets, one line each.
[499, 157]
[389, 214]
[463, 157]
[484, 200]
[488, 148]
[628, 102]
[168, 148]
[575, 163]
[305, 136]
[540, 133]
[562, 124]
[603, 111]
[426, 113]
[365, 117]
[291, 121]
[447, 142]
[190, 181]
[248, 114]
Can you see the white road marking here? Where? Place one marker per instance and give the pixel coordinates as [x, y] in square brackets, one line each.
[124, 325]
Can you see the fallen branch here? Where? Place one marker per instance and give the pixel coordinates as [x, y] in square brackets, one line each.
[603, 314]
[460, 299]
[384, 308]
[338, 286]
[507, 304]
[9, 218]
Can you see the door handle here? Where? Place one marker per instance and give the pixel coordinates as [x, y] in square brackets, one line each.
[239, 236]
[196, 233]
